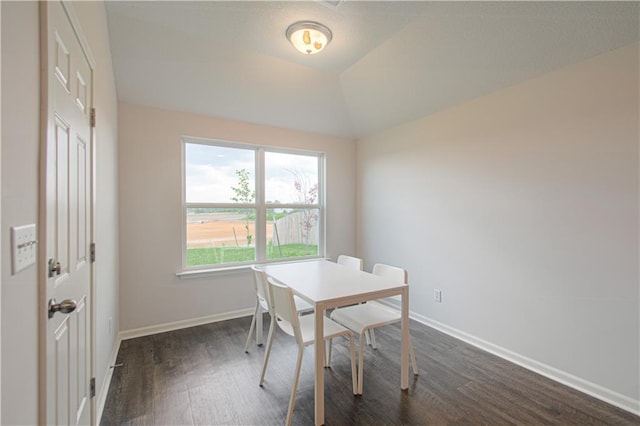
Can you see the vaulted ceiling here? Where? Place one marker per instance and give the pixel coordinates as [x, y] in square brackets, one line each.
[389, 61]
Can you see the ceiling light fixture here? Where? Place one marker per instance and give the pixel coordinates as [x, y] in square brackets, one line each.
[308, 37]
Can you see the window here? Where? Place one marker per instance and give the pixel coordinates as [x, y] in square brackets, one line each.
[245, 204]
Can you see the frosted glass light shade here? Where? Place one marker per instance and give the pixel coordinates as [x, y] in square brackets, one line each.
[308, 37]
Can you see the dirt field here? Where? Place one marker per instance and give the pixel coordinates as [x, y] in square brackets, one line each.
[228, 229]
[215, 233]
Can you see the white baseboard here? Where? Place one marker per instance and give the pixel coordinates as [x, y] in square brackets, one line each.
[104, 389]
[597, 391]
[177, 325]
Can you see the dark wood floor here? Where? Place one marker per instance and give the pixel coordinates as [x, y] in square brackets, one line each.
[201, 376]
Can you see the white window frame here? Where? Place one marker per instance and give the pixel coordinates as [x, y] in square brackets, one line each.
[260, 205]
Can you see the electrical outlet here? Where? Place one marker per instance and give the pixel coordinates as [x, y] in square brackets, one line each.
[437, 295]
[23, 247]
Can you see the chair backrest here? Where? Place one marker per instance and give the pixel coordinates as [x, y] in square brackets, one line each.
[392, 273]
[262, 289]
[285, 308]
[351, 262]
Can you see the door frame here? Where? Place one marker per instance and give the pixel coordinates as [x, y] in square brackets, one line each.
[45, 112]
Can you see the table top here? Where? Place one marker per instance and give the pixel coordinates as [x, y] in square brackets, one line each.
[326, 282]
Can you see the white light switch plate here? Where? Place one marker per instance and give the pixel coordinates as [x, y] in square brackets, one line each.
[24, 247]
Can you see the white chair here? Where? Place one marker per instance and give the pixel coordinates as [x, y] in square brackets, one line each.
[262, 306]
[370, 315]
[350, 262]
[303, 329]
[358, 264]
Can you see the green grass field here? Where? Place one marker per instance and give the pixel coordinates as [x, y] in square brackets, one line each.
[218, 255]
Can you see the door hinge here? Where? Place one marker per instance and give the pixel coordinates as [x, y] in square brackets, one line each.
[93, 252]
[92, 387]
[92, 117]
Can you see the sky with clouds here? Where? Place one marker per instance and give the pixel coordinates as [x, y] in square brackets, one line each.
[211, 173]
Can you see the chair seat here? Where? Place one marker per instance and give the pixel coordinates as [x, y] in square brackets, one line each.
[367, 315]
[308, 328]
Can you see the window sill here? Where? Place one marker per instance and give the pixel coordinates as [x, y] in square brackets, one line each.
[190, 274]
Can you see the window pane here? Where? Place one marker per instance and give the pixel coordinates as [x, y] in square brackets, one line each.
[217, 174]
[291, 178]
[216, 236]
[292, 233]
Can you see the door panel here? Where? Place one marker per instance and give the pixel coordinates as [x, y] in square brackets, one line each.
[61, 367]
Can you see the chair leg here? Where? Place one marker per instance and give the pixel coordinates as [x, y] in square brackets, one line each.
[267, 350]
[253, 324]
[354, 376]
[327, 353]
[292, 400]
[373, 338]
[259, 327]
[361, 363]
[414, 364]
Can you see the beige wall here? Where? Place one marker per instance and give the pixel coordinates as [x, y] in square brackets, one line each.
[20, 126]
[150, 190]
[20, 150]
[522, 207]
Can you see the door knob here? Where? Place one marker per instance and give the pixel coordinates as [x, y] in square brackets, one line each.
[66, 306]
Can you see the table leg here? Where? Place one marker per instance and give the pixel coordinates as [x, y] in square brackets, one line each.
[404, 353]
[319, 368]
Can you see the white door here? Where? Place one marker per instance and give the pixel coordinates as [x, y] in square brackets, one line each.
[67, 218]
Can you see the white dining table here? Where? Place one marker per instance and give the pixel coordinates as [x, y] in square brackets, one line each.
[327, 285]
